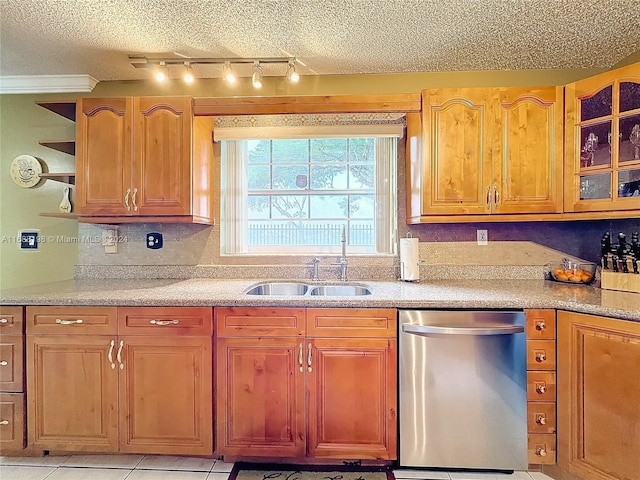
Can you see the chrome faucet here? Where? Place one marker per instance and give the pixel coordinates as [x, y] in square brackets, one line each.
[343, 258]
[315, 266]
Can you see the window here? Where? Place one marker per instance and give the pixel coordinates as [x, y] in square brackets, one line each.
[296, 195]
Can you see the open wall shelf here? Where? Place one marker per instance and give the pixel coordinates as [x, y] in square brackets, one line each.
[64, 146]
[69, 178]
[64, 109]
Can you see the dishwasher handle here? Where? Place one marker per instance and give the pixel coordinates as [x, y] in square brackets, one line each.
[436, 330]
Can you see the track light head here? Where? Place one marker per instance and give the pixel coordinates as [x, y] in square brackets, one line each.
[292, 76]
[161, 73]
[256, 77]
[188, 73]
[228, 73]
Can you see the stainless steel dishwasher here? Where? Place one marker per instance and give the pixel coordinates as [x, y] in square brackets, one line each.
[463, 389]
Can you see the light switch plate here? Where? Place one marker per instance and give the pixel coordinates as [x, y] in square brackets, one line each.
[483, 237]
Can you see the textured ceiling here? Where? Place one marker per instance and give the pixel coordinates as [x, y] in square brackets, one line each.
[95, 37]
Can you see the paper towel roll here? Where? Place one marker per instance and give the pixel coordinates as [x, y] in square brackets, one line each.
[409, 259]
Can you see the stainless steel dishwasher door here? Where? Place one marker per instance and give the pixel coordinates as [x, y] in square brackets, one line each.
[463, 389]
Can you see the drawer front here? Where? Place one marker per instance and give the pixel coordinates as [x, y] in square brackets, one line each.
[542, 449]
[260, 322]
[165, 320]
[541, 386]
[72, 320]
[11, 321]
[541, 354]
[351, 322]
[12, 363]
[541, 417]
[541, 324]
[12, 431]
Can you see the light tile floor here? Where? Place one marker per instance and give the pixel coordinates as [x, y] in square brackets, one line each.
[164, 467]
[113, 467]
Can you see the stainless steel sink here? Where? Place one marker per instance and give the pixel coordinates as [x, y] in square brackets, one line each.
[339, 290]
[278, 288]
[301, 289]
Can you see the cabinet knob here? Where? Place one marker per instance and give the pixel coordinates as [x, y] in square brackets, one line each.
[541, 419]
[541, 325]
[4, 320]
[4, 363]
[4, 422]
[541, 388]
[541, 451]
[541, 357]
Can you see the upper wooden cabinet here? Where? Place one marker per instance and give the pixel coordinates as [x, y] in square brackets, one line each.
[602, 133]
[143, 157]
[488, 151]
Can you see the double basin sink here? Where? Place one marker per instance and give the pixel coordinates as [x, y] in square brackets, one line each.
[301, 289]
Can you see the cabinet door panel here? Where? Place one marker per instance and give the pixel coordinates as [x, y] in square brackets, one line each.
[162, 155]
[598, 396]
[103, 155]
[72, 393]
[11, 320]
[457, 132]
[11, 363]
[528, 151]
[166, 395]
[260, 397]
[12, 427]
[352, 399]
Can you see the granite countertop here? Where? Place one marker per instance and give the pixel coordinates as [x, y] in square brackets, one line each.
[474, 294]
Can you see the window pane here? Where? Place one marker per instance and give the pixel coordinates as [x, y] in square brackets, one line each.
[629, 96]
[258, 206]
[289, 206]
[328, 177]
[361, 150]
[595, 148]
[361, 176]
[629, 183]
[361, 206]
[600, 105]
[258, 177]
[288, 177]
[361, 233]
[290, 151]
[595, 186]
[329, 206]
[629, 138]
[329, 150]
[259, 151]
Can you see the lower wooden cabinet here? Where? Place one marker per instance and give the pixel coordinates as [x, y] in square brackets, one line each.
[324, 393]
[147, 393]
[12, 428]
[12, 394]
[598, 397]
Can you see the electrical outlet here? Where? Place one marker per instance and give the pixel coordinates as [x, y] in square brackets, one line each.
[29, 239]
[154, 240]
[483, 237]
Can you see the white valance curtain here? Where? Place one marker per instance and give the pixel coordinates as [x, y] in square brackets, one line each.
[308, 131]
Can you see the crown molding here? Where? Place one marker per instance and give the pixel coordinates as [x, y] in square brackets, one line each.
[47, 83]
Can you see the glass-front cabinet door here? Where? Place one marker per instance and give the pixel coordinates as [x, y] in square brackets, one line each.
[603, 142]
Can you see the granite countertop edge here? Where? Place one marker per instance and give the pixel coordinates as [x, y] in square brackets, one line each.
[440, 294]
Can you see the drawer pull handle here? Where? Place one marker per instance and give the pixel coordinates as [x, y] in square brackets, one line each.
[541, 325]
[541, 388]
[4, 422]
[59, 321]
[119, 354]
[541, 451]
[133, 199]
[300, 357]
[126, 200]
[4, 320]
[110, 354]
[540, 357]
[541, 419]
[164, 322]
[309, 359]
[4, 363]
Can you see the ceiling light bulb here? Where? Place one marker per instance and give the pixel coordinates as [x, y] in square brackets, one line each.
[292, 76]
[228, 74]
[188, 73]
[161, 73]
[256, 78]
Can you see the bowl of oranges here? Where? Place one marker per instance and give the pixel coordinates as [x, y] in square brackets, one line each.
[570, 272]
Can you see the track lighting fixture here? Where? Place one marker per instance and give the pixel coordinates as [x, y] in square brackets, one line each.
[291, 75]
[228, 74]
[188, 73]
[256, 77]
[161, 73]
